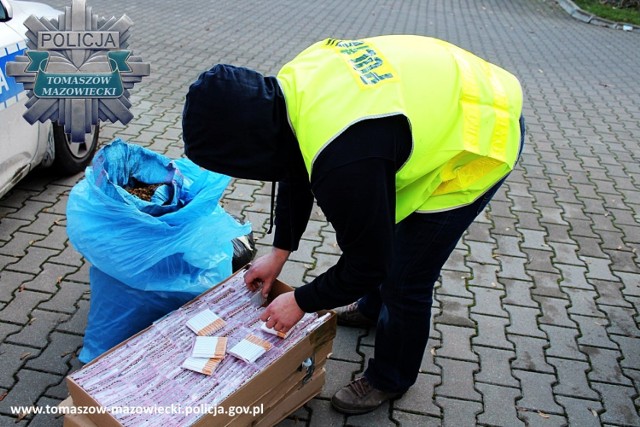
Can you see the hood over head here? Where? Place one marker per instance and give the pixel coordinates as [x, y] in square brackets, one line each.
[235, 123]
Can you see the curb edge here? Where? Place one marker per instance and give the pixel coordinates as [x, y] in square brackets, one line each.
[572, 9]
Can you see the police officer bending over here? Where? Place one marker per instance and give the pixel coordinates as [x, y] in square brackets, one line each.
[402, 140]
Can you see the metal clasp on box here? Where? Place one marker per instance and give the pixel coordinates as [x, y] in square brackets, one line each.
[310, 366]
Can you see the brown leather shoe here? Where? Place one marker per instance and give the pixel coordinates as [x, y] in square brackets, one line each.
[360, 397]
[349, 315]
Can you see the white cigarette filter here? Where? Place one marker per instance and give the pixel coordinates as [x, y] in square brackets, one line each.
[205, 323]
[274, 332]
[201, 365]
[209, 347]
[250, 348]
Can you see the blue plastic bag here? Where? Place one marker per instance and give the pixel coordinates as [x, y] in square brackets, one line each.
[118, 311]
[179, 242]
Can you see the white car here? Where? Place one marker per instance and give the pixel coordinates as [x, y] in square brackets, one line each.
[23, 146]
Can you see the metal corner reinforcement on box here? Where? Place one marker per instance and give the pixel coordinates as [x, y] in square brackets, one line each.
[141, 381]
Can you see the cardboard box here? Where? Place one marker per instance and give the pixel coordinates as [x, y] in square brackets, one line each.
[284, 405]
[279, 390]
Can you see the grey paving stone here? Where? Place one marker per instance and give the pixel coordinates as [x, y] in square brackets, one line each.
[485, 275]
[613, 239]
[518, 292]
[454, 283]
[304, 253]
[345, 344]
[55, 358]
[563, 342]
[81, 275]
[454, 311]
[495, 367]
[598, 268]
[619, 408]
[68, 256]
[565, 253]
[323, 415]
[572, 379]
[523, 321]
[316, 230]
[13, 358]
[51, 193]
[420, 398]
[47, 420]
[49, 278]
[623, 262]
[19, 244]
[12, 420]
[581, 412]
[535, 239]
[66, 298]
[530, 354]
[456, 413]
[552, 215]
[499, 408]
[593, 331]
[339, 374]
[324, 261]
[292, 274]
[10, 281]
[583, 302]
[8, 329]
[541, 419]
[27, 390]
[381, 416]
[59, 391]
[537, 394]
[8, 225]
[548, 283]
[7, 260]
[622, 320]
[77, 322]
[488, 301]
[43, 223]
[540, 260]
[18, 309]
[481, 252]
[457, 379]
[608, 366]
[29, 210]
[33, 260]
[630, 348]
[414, 420]
[491, 332]
[479, 231]
[630, 285]
[456, 343]
[56, 238]
[35, 333]
[428, 365]
[554, 311]
[457, 262]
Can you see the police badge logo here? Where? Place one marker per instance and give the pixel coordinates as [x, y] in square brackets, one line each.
[77, 70]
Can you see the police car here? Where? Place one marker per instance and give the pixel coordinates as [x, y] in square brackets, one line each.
[23, 146]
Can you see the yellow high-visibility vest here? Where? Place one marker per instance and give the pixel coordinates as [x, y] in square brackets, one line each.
[464, 112]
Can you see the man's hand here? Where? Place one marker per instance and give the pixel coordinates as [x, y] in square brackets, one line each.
[283, 313]
[265, 270]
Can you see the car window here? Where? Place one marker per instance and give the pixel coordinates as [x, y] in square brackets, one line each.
[5, 13]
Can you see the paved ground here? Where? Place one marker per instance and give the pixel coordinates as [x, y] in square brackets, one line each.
[537, 317]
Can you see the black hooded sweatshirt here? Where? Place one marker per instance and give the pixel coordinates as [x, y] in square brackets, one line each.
[235, 123]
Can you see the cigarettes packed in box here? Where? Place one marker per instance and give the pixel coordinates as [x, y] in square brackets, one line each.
[213, 351]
